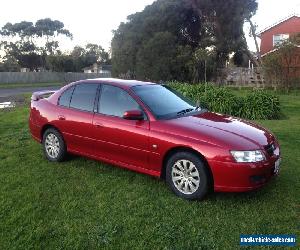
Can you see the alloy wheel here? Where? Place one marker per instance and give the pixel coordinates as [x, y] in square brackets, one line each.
[185, 176]
[52, 145]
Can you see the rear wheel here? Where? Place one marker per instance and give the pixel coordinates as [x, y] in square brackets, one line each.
[187, 176]
[54, 145]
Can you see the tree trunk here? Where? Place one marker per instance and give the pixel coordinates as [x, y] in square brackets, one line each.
[253, 33]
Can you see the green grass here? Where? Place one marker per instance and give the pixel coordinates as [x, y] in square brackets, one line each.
[22, 85]
[84, 204]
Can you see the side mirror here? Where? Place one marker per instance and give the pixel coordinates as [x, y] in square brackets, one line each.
[133, 115]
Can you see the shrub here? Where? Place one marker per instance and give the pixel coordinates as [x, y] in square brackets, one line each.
[221, 100]
[258, 104]
[192, 91]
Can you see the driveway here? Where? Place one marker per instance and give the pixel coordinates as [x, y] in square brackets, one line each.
[18, 91]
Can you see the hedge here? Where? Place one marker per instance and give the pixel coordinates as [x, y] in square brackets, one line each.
[257, 105]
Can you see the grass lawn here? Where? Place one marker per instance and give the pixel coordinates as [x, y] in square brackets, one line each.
[84, 204]
[23, 85]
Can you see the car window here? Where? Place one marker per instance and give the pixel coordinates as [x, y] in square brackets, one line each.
[164, 102]
[83, 97]
[115, 101]
[64, 99]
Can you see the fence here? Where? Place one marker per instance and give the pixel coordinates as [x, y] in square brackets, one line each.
[259, 77]
[252, 77]
[43, 77]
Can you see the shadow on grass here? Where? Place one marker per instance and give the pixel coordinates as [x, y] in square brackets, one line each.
[142, 180]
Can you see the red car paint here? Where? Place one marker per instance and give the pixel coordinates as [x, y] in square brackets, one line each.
[143, 145]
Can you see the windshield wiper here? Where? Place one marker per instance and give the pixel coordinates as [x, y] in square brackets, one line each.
[184, 111]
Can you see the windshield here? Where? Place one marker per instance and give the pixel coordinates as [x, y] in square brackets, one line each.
[164, 102]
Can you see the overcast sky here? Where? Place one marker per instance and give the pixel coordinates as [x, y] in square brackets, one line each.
[93, 20]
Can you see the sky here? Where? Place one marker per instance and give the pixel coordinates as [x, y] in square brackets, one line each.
[270, 12]
[93, 21]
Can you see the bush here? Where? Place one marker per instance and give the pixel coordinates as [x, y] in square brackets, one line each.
[192, 91]
[221, 100]
[258, 104]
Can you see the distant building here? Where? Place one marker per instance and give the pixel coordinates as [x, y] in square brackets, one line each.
[24, 70]
[274, 35]
[97, 68]
[278, 32]
[39, 69]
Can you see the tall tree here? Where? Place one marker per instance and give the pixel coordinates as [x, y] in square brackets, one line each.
[215, 26]
[225, 20]
[172, 16]
[150, 63]
[29, 43]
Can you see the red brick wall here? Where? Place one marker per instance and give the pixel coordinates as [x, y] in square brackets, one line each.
[290, 26]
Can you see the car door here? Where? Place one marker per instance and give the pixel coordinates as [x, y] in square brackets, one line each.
[75, 116]
[119, 139]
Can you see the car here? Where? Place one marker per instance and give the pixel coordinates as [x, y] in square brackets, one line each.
[152, 129]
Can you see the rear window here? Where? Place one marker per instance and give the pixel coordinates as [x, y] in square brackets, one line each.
[83, 97]
[65, 98]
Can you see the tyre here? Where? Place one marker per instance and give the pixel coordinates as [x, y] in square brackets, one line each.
[53, 145]
[187, 176]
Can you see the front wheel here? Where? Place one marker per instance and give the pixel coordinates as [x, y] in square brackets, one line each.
[54, 145]
[187, 176]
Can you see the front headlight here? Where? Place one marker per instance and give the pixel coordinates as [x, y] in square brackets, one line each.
[248, 156]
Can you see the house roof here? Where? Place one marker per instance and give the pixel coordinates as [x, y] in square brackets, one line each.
[90, 67]
[279, 22]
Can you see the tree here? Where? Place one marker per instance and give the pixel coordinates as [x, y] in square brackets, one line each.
[150, 63]
[9, 65]
[195, 25]
[60, 63]
[95, 54]
[162, 16]
[205, 64]
[29, 43]
[78, 59]
[225, 21]
[241, 58]
[253, 28]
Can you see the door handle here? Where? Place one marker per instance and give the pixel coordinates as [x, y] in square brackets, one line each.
[98, 125]
[61, 118]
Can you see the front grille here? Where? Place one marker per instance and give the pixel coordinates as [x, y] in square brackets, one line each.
[270, 148]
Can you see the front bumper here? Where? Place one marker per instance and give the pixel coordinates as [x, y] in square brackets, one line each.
[242, 177]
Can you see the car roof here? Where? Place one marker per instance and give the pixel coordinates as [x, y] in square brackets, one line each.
[118, 82]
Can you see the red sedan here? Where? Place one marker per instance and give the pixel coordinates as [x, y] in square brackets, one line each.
[152, 129]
